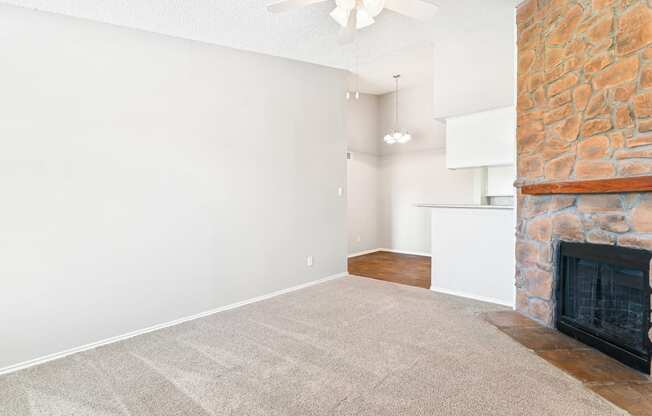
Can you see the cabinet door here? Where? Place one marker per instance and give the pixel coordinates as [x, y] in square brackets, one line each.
[487, 138]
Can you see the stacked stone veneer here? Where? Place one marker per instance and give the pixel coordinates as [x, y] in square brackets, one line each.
[584, 112]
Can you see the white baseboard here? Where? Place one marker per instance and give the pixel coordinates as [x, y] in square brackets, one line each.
[375, 250]
[474, 297]
[411, 253]
[362, 253]
[58, 355]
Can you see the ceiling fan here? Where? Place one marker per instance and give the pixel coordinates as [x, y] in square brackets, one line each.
[358, 14]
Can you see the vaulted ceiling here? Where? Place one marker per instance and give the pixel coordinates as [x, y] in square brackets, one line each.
[394, 44]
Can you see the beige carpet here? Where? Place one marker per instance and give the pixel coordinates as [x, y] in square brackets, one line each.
[352, 346]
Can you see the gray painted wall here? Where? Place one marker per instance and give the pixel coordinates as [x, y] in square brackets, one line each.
[147, 178]
[362, 173]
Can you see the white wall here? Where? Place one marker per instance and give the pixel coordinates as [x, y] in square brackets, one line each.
[417, 177]
[500, 180]
[147, 178]
[475, 71]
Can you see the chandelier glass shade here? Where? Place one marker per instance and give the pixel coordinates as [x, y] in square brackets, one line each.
[396, 135]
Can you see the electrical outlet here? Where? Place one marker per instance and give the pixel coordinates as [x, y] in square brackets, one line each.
[309, 261]
[359, 239]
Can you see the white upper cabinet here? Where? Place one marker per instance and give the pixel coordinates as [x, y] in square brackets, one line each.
[486, 138]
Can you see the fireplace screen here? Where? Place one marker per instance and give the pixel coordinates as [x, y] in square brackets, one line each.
[604, 300]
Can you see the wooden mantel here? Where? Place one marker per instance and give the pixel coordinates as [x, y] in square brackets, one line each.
[597, 186]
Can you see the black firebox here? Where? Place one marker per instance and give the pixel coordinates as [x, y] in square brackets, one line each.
[603, 300]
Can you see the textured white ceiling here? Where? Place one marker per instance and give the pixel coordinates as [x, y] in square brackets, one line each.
[308, 34]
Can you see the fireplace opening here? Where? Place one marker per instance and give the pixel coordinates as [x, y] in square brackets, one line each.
[603, 300]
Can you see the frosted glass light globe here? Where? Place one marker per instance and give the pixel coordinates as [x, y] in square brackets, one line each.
[405, 137]
[389, 139]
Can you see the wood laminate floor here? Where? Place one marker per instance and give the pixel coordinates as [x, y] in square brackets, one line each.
[392, 267]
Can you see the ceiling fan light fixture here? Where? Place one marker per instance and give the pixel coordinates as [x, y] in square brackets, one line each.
[365, 11]
[341, 15]
[373, 7]
[353, 15]
[364, 19]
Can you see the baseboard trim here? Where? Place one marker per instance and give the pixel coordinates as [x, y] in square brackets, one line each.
[62, 354]
[411, 253]
[362, 253]
[469, 296]
[375, 250]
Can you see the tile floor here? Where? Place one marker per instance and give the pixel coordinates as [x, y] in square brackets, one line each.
[624, 387]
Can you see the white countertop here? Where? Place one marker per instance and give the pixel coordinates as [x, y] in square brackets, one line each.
[464, 206]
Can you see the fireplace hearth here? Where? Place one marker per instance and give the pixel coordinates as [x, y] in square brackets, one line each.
[603, 300]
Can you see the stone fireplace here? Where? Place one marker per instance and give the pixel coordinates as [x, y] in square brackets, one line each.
[584, 112]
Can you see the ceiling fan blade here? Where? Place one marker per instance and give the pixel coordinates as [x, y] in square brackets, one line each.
[287, 5]
[417, 9]
[347, 34]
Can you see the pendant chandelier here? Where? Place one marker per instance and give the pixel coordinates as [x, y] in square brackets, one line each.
[396, 135]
